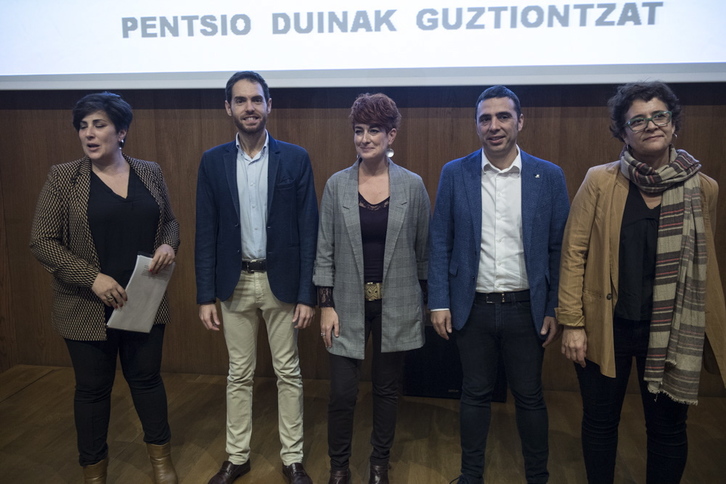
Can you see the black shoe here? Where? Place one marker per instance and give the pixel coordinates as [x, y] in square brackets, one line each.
[229, 472]
[295, 474]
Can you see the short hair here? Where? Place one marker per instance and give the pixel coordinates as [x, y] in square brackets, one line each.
[251, 76]
[375, 110]
[117, 110]
[495, 92]
[626, 94]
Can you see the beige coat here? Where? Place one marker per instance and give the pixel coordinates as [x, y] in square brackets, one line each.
[590, 260]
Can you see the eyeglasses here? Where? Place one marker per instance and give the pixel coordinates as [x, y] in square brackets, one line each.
[661, 118]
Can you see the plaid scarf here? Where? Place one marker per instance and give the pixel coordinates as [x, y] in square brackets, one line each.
[677, 328]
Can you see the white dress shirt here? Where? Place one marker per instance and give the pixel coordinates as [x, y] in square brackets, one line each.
[501, 262]
[252, 188]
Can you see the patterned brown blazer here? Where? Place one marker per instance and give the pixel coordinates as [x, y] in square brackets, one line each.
[61, 240]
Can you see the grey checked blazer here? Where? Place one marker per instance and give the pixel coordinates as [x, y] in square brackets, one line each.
[61, 240]
[339, 260]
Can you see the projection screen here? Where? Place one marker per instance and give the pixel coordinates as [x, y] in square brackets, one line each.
[73, 44]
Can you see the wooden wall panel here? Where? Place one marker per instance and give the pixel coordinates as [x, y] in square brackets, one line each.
[8, 339]
[565, 124]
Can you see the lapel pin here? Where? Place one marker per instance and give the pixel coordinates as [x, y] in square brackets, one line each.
[537, 175]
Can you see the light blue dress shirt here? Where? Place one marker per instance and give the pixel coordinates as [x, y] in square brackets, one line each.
[252, 187]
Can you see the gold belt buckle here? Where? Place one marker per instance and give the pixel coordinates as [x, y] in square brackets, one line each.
[373, 291]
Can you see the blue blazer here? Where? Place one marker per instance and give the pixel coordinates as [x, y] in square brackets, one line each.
[455, 235]
[292, 224]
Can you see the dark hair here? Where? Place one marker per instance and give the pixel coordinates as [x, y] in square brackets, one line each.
[375, 110]
[626, 94]
[245, 76]
[498, 91]
[117, 110]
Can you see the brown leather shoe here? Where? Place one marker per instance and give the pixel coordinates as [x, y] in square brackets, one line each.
[295, 474]
[229, 472]
[95, 473]
[379, 474]
[161, 464]
[339, 476]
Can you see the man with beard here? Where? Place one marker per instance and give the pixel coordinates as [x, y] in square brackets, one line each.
[257, 222]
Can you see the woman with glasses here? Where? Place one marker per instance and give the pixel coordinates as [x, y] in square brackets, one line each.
[639, 279]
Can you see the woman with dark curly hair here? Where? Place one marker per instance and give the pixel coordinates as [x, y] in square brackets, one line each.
[639, 279]
[370, 270]
[94, 215]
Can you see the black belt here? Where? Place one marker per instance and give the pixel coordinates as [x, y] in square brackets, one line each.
[504, 297]
[254, 265]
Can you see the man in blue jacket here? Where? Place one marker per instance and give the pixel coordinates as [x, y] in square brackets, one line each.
[257, 222]
[493, 272]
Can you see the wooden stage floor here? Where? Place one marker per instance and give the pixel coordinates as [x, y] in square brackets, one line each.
[37, 436]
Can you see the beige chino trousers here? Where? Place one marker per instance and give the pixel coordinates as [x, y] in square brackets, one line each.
[251, 298]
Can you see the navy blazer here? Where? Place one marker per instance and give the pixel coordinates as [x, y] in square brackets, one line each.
[292, 224]
[455, 235]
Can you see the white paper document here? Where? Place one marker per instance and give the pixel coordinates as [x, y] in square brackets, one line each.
[144, 292]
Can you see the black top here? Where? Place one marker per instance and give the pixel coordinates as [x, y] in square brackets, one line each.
[373, 227]
[638, 245]
[122, 227]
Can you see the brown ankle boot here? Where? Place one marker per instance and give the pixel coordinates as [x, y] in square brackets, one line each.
[160, 457]
[95, 473]
[379, 474]
[341, 476]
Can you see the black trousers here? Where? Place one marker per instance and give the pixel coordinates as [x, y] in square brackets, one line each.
[94, 364]
[602, 401]
[344, 377]
[492, 331]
